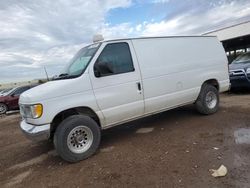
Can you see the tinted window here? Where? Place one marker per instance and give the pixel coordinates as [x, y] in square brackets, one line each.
[114, 59]
[19, 91]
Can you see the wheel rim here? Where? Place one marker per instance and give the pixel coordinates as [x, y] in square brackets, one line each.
[2, 109]
[80, 139]
[211, 100]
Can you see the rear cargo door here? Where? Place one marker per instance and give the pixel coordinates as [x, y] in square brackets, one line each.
[116, 82]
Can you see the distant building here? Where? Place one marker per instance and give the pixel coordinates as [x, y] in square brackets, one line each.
[235, 39]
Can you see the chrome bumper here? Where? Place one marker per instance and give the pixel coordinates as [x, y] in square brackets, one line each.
[35, 133]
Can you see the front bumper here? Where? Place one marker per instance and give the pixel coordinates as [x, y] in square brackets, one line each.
[239, 81]
[35, 133]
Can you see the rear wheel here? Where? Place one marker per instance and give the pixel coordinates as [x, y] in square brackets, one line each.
[208, 100]
[77, 138]
[3, 108]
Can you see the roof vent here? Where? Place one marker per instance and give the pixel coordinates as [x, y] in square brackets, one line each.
[97, 38]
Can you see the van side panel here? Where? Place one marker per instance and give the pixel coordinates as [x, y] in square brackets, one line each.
[173, 69]
[117, 95]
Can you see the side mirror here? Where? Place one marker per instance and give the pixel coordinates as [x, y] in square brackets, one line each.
[97, 72]
[103, 69]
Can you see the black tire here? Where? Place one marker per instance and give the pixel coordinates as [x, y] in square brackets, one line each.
[3, 108]
[65, 129]
[202, 105]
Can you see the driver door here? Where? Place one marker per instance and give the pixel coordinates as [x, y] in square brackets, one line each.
[116, 82]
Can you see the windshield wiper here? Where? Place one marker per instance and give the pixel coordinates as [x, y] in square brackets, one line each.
[64, 76]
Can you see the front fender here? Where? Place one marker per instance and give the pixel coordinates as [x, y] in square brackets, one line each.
[54, 106]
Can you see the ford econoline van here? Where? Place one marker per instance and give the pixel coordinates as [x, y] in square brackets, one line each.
[112, 82]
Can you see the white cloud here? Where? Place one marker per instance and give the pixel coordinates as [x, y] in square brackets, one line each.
[117, 31]
[195, 22]
[162, 27]
[112, 4]
[160, 1]
[138, 27]
[48, 33]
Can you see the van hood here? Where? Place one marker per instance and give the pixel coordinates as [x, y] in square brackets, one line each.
[55, 89]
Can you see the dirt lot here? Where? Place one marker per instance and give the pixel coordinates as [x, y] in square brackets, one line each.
[172, 149]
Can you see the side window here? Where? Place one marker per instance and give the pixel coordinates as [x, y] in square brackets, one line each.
[114, 59]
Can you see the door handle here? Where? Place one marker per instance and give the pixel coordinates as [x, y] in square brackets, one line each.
[139, 86]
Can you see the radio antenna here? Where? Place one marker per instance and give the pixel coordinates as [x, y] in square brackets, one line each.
[46, 73]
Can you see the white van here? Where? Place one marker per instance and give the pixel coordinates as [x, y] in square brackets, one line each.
[112, 82]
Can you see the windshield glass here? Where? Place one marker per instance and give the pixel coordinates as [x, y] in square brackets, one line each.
[244, 58]
[80, 61]
[7, 92]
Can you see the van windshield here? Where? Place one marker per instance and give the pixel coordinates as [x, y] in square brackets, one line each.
[79, 62]
[244, 58]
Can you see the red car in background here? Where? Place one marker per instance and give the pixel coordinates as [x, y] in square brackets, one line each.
[9, 100]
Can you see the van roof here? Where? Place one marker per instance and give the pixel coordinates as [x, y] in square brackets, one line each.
[137, 38]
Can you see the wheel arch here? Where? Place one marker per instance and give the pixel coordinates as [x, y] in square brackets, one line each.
[73, 111]
[214, 82]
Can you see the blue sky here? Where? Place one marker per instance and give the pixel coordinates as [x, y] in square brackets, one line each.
[136, 14]
[48, 33]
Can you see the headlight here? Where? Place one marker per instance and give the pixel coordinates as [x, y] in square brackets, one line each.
[248, 71]
[31, 111]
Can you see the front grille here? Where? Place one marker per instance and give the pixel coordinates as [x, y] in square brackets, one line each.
[238, 72]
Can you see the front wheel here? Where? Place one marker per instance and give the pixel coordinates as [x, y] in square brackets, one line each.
[3, 108]
[208, 100]
[77, 138]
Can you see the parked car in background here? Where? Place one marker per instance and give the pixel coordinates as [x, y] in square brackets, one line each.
[9, 99]
[5, 91]
[239, 71]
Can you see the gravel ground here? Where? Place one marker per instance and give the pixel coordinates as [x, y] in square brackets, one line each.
[172, 149]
